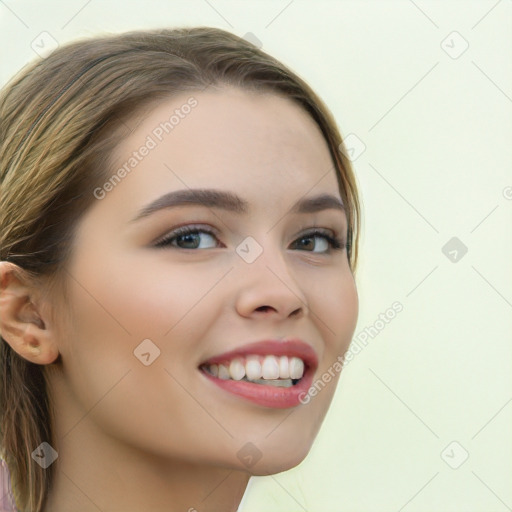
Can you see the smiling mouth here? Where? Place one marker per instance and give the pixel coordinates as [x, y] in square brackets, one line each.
[270, 370]
[269, 373]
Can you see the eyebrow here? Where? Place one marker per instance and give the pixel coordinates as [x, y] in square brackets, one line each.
[212, 198]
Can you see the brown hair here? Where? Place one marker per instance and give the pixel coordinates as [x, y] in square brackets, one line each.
[58, 123]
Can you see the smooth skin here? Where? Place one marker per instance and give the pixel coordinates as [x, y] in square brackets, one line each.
[163, 437]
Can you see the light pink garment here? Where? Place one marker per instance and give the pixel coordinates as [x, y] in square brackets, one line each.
[6, 497]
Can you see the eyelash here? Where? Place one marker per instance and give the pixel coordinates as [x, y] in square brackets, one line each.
[335, 243]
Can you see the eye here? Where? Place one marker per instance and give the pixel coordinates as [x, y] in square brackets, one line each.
[190, 237]
[328, 243]
[187, 237]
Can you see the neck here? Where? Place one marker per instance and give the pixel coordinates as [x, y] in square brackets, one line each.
[105, 480]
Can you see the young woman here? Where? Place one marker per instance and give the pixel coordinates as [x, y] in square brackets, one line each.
[178, 242]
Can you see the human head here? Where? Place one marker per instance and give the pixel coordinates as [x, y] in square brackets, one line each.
[62, 120]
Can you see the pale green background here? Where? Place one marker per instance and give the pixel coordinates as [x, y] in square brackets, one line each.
[438, 158]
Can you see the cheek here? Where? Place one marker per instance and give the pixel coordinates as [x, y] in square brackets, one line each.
[335, 312]
[120, 304]
[128, 295]
[113, 311]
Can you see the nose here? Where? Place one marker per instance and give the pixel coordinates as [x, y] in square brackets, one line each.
[268, 289]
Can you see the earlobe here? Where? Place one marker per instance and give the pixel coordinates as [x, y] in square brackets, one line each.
[21, 324]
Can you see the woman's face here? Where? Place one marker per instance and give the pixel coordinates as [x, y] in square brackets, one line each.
[151, 318]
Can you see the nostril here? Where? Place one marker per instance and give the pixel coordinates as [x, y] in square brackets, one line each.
[263, 308]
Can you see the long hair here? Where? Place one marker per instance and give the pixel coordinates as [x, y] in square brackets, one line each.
[60, 120]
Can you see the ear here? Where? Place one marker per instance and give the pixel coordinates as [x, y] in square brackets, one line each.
[22, 324]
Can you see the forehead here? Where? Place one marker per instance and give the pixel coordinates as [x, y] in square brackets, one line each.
[252, 141]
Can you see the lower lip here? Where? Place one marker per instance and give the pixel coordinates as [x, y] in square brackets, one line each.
[266, 394]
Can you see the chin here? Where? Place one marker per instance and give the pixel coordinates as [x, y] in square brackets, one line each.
[277, 464]
[280, 456]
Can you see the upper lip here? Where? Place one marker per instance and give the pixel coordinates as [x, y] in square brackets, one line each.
[290, 348]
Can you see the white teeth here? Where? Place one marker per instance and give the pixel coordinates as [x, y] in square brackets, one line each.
[284, 372]
[270, 368]
[261, 369]
[214, 370]
[223, 372]
[296, 368]
[237, 369]
[253, 368]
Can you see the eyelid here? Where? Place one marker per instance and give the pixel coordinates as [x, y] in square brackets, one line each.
[334, 232]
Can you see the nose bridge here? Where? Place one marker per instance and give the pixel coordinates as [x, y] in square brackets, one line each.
[258, 255]
[264, 274]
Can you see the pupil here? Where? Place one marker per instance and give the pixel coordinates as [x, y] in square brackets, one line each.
[307, 240]
[189, 239]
